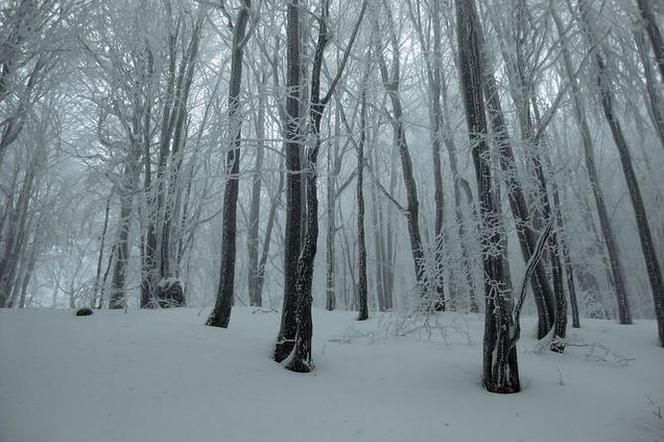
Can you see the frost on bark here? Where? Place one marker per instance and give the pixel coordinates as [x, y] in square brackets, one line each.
[300, 359]
[288, 327]
[500, 368]
[118, 299]
[517, 199]
[361, 243]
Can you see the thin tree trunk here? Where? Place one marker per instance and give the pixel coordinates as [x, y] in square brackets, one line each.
[221, 314]
[330, 255]
[566, 260]
[255, 298]
[362, 295]
[260, 273]
[560, 308]
[412, 202]
[100, 257]
[379, 247]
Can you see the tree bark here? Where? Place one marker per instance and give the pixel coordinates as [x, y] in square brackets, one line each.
[517, 199]
[288, 328]
[118, 299]
[221, 313]
[500, 373]
[255, 298]
[362, 295]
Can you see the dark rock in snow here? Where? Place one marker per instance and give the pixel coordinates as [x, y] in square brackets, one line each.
[170, 293]
[83, 311]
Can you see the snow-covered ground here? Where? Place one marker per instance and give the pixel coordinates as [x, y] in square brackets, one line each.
[163, 376]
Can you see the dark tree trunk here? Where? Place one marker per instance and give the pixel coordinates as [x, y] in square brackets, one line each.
[412, 203]
[221, 314]
[300, 358]
[288, 329]
[501, 373]
[362, 295]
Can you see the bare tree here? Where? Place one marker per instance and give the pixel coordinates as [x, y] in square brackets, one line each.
[608, 102]
[221, 314]
[501, 372]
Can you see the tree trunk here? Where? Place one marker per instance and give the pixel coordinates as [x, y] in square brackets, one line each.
[362, 295]
[16, 233]
[566, 260]
[118, 298]
[501, 373]
[560, 307]
[100, 257]
[221, 314]
[412, 202]
[255, 298]
[288, 329]
[260, 273]
[333, 166]
[300, 358]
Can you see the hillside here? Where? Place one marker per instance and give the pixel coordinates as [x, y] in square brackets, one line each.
[162, 376]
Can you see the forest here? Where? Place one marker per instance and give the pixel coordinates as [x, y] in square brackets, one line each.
[440, 179]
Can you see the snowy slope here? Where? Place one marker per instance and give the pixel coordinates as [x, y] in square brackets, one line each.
[162, 376]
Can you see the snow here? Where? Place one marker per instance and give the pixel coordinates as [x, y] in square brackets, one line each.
[162, 376]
